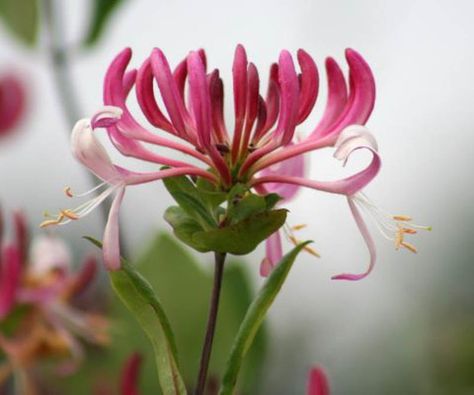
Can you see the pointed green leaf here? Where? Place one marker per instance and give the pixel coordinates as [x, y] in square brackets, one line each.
[249, 205]
[102, 10]
[184, 227]
[139, 297]
[210, 193]
[21, 18]
[190, 200]
[254, 318]
[244, 236]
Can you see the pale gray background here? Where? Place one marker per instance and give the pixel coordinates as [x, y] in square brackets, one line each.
[422, 55]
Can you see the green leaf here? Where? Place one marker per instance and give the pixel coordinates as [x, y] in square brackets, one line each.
[254, 318]
[184, 227]
[271, 200]
[244, 236]
[190, 200]
[249, 205]
[210, 193]
[102, 10]
[21, 18]
[137, 294]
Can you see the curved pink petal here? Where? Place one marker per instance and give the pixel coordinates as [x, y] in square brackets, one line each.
[130, 372]
[9, 278]
[289, 86]
[146, 99]
[274, 253]
[239, 77]
[253, 84]
[309, 81]
[337, 98]
[368, 241]
[352, 139]
[200, 99]
[317, 382]
[84, 278]
[169, 92]
[361, 98]
[12, 102]
[111, 243]
[91, 153]
[216, 92]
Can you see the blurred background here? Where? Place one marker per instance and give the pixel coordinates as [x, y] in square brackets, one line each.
[406, 329]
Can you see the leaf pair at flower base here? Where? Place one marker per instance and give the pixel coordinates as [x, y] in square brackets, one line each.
[202, 223]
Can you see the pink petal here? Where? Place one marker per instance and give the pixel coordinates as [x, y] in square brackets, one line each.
[368, 241]
[12, 102]
[362, 95]
[252, 103]
[318, 383]
[169, 92]
[200, 100]
[289, 86]
[146, 99]
[274, 254]
[90, 152]
[239, 73]
[21, 235]
[111, 243]
[294, 167]
[130, 372]
[309, 85]
[9, 278]
[216, 92]
[84, 278]
[337, 98]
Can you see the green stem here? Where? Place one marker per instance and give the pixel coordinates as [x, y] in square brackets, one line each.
[211, 323]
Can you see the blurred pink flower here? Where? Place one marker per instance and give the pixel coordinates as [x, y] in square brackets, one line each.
[262, 152]
[12, 102]
[40, 286]
[317, 382]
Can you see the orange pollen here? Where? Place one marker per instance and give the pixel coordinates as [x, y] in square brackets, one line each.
[409, 246]
[69, 214]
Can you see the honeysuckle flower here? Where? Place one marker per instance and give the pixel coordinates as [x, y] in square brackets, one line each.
[261, 152]
[41, 285]
[12, 102]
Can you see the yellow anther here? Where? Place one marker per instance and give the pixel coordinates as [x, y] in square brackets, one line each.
[69, 214]
[312, 251]
[408, 231]
[68, 192]
[293, 239]
[298, 227]
[50, 222]
[409, 246]
[404, 218]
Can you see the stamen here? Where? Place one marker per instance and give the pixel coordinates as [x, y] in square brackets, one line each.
[298, 227]
[403, 218]
[392, 227]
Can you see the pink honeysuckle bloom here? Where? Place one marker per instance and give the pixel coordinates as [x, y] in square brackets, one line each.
[317, 382]
[130, 372]
[42, 283]
[12, 102]
[262, 152]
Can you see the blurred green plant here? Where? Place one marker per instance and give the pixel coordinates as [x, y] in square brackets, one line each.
[183, 287]
[102, 11]
[21, 18]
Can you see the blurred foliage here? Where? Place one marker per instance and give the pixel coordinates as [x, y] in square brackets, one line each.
[184, 289]
[102, 10]
[21, 17]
